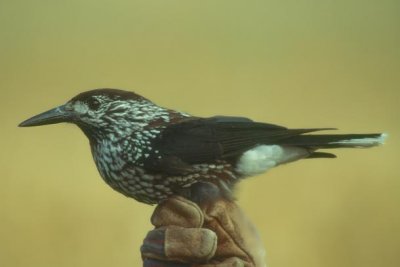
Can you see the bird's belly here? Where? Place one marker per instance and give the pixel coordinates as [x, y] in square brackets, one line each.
[152, 188]
[133, 182]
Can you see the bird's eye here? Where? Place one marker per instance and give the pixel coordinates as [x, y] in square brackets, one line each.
[93, 104]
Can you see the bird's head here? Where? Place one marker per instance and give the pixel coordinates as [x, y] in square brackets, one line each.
[102, 111]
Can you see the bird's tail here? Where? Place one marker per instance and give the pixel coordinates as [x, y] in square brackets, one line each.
[336, 140]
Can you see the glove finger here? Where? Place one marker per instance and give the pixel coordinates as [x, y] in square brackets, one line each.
[190, 244]
[153, 244]
[159, 263]
[230, 262]
[180, 244]
[177, 211]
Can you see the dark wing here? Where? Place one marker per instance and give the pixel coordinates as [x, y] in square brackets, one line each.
[206, 140]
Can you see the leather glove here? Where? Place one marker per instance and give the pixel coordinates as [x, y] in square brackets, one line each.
[216, 235]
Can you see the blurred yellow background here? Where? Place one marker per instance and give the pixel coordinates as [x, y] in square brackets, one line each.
[299, 63]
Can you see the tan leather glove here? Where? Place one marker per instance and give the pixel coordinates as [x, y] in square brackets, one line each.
[216, 235]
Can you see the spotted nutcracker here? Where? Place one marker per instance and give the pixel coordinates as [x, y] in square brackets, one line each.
[148, 152]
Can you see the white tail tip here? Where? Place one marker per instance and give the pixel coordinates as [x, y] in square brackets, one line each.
[364, 142]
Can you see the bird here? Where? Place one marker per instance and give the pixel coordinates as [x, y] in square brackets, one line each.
[149, 153]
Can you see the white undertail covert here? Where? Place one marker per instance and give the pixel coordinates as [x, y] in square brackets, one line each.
[264, 157]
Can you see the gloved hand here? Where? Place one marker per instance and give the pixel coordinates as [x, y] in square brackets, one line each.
[216, 235]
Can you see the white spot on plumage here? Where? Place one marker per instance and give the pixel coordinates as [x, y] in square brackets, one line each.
[80, 107]
[264, 157]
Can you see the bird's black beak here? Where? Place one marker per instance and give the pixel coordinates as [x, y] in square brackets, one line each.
[55, 115]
